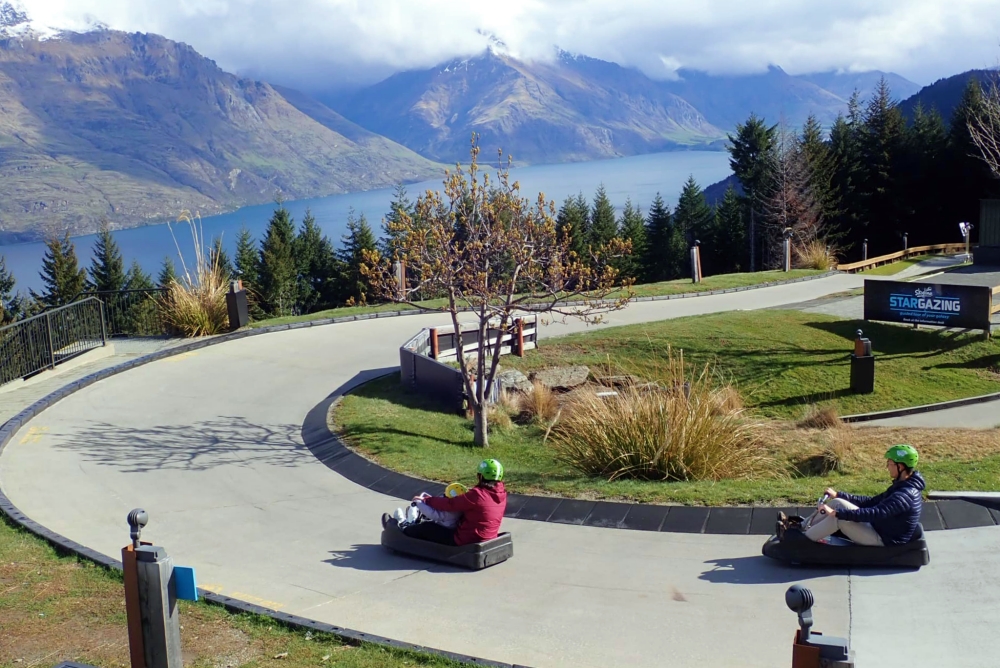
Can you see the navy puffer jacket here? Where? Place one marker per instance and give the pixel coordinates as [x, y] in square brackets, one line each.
[893, 514]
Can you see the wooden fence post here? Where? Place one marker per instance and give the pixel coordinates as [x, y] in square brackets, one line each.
[520, 337]
[434, 343]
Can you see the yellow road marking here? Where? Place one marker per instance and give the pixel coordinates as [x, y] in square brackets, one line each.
[263, 602]
[214, 588]
[34, 435]
[176, 358]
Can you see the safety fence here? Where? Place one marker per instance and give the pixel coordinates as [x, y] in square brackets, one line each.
[421, 358]
[905, 254]
[32, 345]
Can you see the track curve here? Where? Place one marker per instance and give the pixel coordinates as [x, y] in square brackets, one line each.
[209, 442]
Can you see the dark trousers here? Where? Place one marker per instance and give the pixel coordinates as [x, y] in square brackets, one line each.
[432, 532]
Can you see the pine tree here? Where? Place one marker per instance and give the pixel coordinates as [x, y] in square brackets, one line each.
[399, 208]
[61, 274]
[632, 227]
[848, 176]
[695, 222]
[603, 227]
[317, 267]
[731, 233]
[247, 259]
[677, 258]
[107, 268]
[358, 239]
[276, 268]
[881, 149]
[921, 175]
[751, 157]
[659, 228]
[9, 304]
[218, 257]
[574, 219]
[137, 279]
[168, 273]
[819, 161]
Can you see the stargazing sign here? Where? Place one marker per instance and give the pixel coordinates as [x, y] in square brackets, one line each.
[940, 304]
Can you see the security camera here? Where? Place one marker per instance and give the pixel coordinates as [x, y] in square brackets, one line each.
[137, 519]
[800, 600]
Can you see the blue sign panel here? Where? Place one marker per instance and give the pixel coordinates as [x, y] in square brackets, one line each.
[185, 587]
[941, 304]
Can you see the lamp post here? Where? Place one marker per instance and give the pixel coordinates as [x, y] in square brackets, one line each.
[966, 229]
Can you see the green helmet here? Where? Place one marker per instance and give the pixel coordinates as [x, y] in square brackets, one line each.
[491, 469]
[903, 454]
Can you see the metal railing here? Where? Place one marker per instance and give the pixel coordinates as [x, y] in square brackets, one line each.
[131, 312]
[35, 344]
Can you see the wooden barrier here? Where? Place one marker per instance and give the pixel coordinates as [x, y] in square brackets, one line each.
[901, 255]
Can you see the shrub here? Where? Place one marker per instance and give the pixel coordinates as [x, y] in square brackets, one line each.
[820, 418]
[700, 433]
[195, 303]
[816, 254]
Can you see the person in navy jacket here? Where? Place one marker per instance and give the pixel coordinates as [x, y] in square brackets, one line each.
[890, 518]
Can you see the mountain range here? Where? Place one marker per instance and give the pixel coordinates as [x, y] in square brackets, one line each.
[136, 127]
[580, 108]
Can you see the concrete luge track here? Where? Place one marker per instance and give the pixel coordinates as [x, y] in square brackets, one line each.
[210, 443]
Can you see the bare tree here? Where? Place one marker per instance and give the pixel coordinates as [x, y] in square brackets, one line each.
[984, 126]
[494, 254]
[790, 203]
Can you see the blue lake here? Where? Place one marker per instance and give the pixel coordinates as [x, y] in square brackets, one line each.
[637, 177]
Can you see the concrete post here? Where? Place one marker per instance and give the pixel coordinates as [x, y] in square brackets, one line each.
[788, 249]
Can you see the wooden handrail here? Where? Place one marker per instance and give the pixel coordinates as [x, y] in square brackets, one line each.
[900, 255]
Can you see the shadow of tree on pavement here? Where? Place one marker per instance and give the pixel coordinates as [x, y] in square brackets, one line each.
[224, 441]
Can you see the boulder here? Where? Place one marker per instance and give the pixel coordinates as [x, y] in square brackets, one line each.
[562, 377]
[512, 379]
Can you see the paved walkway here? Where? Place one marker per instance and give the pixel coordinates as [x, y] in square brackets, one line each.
[210, 444]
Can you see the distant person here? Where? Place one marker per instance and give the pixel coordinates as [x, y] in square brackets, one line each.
[887, 519]
[481, 508]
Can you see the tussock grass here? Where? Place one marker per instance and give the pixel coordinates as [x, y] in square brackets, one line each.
[816, 254]
[541, 405]
[820, 417]
[693, 430]
[195, 303]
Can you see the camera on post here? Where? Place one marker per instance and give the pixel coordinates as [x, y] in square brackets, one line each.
[813, 649]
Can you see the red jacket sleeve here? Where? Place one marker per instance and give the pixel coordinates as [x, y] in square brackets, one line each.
[459, 504]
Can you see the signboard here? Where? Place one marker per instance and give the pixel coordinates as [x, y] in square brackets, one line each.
[940, 304]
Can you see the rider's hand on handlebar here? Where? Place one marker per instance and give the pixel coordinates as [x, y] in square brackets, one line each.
[831, 492]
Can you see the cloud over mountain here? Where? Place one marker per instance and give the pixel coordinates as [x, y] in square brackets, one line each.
[325, 44]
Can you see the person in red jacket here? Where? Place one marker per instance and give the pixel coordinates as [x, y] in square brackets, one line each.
[482, 509]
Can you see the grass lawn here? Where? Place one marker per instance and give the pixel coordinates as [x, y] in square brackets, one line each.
[680, 286]
[782, 361]
[55, 609]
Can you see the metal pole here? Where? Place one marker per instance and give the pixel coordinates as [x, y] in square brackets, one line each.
[52, 350]
[865, 250]
[104, 326]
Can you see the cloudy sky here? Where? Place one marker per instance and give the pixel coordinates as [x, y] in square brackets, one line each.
[325, 44]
